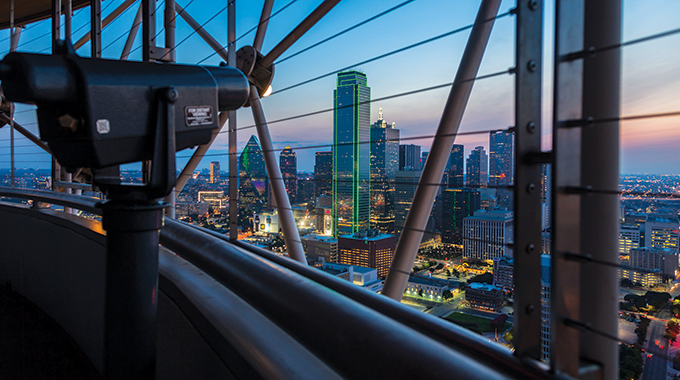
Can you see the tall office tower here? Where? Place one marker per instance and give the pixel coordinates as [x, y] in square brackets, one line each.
[384, 165]
[323, 174]
[252, 182]
[501, 165]
[455, 167]
[288, 165]
[477, 168]
[214, 171]
[487, 234]
[458, 203]
[369, 249]
[351, 153]
[404, 190]
[409, 157]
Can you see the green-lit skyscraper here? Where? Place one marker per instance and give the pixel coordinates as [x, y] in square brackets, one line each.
[351, 153]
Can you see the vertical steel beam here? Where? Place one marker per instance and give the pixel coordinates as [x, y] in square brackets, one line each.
[233, 159]
[12, 47]
[286, 220]
[68, 14]
[148, 28]
[56, 21]
[56, 35]
[566, 205]
[527, 194]
[423, 200]
[600, 170]
[148, 43]
[14, 39]
[132, 34]
[169, 18]
[95, 28]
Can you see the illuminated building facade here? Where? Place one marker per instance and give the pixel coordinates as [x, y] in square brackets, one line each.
[487, 234]
[384, 166]
[455, 171]
[629, 238]
[288, 165]
[503, 272]
[477, 168]
[458, 204]
[351, 153]
[323, 173]
[661, 231]
[369, 249]
[252, 182]
[409, 157]
[214, 171]
[501, 165]
[405, 189]
[484, 296]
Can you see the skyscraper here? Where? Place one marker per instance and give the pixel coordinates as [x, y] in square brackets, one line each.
[384, 165]
[214, 171]
[351, 153]
[323, 174]
[409, 157]
[252, 182]
[458, 204]
[501, 168]
[477, 168]
[455, 167]
[288, 165]
[405, 189]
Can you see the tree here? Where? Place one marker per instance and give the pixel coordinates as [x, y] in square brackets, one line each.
[630, 365]
[498, 322]
[446, 294]
[420, 292]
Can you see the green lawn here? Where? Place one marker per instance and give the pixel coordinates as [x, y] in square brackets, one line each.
[483, 323]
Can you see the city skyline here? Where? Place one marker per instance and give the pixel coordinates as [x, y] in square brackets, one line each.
[649, 78]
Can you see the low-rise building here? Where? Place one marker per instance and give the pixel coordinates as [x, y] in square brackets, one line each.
[484, 296]
[316, 247]
[427, 287]
[366, 278]
[644, 278]
[663, 259]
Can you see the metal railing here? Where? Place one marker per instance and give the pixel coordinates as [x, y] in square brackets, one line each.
[333, 324]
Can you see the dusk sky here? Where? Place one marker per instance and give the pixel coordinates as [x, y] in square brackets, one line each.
[650, 77]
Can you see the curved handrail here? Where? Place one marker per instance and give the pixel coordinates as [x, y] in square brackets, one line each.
[297, 297]
[67, 200]
[294, 296]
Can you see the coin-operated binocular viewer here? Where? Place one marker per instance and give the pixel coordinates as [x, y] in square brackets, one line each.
[97, 113]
